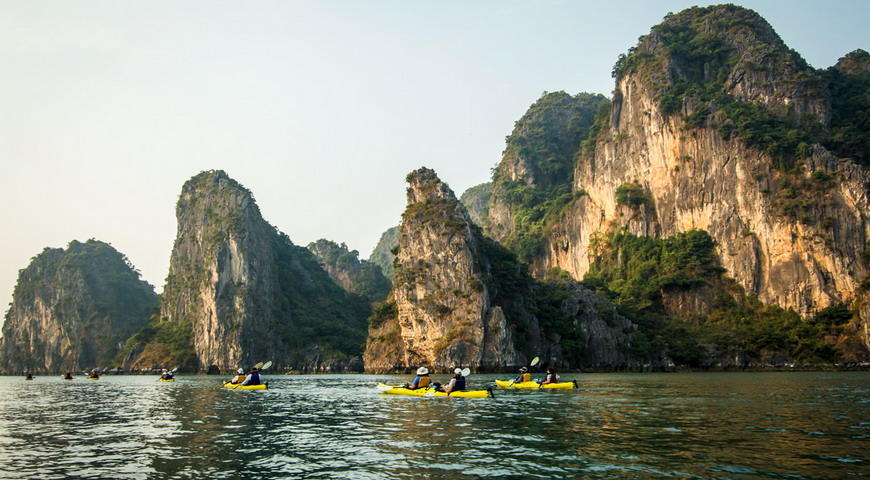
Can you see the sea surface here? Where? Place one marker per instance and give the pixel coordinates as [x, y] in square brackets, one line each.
[685, 426]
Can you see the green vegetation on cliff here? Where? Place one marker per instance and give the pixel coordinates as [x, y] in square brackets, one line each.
[535, 176]
[73, 308]
[690, 58]
[383, 253]
[637, 273]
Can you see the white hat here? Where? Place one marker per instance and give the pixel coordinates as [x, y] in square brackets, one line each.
[422, 371]
[458, 370]
[241, 371]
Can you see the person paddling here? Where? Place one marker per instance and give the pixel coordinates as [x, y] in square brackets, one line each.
[238, 378]
[253, 378]
[68, 376]
[422, 379]
[551, 377]
[167, 375]
[457, 383]
[29, 376]
[524, 376]
[94, 374]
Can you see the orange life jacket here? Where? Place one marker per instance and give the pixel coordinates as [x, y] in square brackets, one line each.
[527, 377]
[424, 381]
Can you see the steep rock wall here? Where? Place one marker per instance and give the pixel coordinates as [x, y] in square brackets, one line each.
[72, 310]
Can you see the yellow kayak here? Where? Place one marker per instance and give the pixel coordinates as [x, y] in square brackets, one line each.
[235, 386]
[93, 378]
[430, 392]
[166, 380]
[534, 385]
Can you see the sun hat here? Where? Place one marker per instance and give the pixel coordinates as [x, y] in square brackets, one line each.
[422, 371]
[241, 370]
[524, 369]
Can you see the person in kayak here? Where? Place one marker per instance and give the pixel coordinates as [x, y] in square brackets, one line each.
[94, 374]
[422, 379]
[167, 375]
[457, 383]
[524, 376]
[551, 377]
[238, 378]
[29, 376]
[67, 376]
[253, 378]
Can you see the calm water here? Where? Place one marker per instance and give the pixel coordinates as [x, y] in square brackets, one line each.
[700, 425]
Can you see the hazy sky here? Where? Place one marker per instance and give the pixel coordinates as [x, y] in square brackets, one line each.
[320, 108]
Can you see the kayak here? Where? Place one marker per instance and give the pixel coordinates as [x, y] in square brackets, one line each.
[534, 385]
[233, 386]
[430, 392]
[166, 379]
[93, 378]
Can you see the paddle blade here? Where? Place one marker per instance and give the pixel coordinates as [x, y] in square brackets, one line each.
[266, 365]
[258, 365]
[384, 388]
[535, 361]
[466, 372]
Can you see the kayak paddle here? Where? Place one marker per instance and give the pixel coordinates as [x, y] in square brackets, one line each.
[535, 361]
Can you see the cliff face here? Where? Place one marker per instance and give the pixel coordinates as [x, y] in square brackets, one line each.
[383, 255]
[346, 269]
[716, 125]
[534, 176]
[72, 310]
[243, 293]
[461, 299]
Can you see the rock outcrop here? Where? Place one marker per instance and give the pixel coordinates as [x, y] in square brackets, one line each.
[716, 125]
[459, 298]
[354, 275]
[242, 292]
[72, 309]
[383, 255]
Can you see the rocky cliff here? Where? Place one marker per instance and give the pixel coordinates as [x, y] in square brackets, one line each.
[716, 125]
[346, 269]
[239, 292]
[72, 309]
[383, 254]
[459, 298]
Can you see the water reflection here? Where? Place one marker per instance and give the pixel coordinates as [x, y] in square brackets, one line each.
[767, 425]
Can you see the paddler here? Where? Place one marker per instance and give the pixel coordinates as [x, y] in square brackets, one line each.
[29, 376]
[253, 378]
[524, 376]
[167, 375]
[551, 377]
[457, 383]
[238, 378]
[422, 379]
[68, 376]
[94, 374]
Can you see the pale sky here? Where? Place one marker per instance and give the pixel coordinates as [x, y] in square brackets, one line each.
[320, 108]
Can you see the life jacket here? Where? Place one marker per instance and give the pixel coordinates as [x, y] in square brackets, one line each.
[552, 378]
[459, 384]
[423, 381]
[255, 379]
[526, 377]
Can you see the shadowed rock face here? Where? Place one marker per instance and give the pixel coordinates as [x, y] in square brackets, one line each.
[346, 269]
[73, 309]
[458, 297]
[247, 293]
[792, 235]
